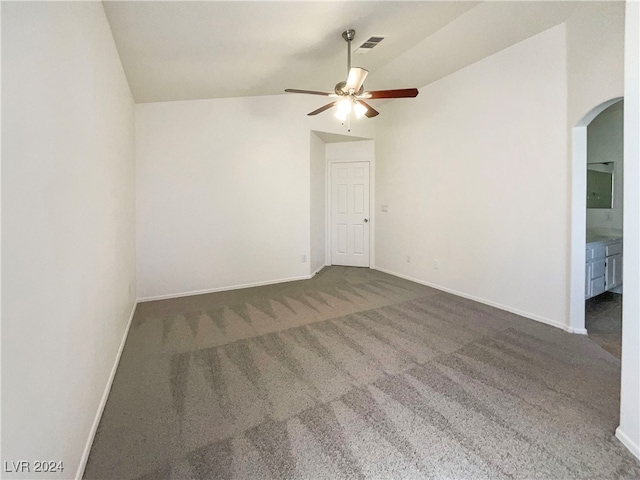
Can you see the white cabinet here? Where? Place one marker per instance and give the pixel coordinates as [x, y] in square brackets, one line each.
[603, 270]
[613, 273]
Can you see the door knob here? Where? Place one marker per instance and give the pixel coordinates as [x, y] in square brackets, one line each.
[366, 220]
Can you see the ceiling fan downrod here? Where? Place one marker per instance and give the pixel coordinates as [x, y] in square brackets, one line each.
[349, 35]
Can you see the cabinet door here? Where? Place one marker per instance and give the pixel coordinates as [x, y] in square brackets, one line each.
[597, 286]
[598, 268]
[613, 272]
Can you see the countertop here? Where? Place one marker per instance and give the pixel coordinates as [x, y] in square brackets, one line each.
[598, 237]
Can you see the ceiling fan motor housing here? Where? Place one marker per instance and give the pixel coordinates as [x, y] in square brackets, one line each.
[341, 90]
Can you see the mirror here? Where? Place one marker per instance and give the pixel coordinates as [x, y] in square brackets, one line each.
[600, 185]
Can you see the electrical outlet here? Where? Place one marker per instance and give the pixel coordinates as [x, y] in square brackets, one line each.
[304, 258]
[385, 208]
[436, 264]
[408, 259]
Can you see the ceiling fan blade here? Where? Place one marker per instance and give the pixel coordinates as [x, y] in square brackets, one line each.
[356, 79]
[371, 112]
[322, 109]
[310, 92]
[400, 93]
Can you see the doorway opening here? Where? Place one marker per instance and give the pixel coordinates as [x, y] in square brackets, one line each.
[596, 232]
[328, 152]
[603, 289]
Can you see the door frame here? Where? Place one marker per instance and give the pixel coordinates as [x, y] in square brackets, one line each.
[372, 203]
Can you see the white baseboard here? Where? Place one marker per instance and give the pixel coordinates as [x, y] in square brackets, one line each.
[318, 270]
[627, 442]
[224, 289]
[577, 331]
[506, 308]
[103, 400]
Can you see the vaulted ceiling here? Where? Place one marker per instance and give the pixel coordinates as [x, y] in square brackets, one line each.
[194, 50]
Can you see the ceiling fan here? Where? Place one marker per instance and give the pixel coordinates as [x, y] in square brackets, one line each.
[351, 95]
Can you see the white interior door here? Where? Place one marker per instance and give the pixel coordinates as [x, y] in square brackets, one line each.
[350, 214]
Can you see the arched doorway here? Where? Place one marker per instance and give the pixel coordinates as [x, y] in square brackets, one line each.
[579, 217]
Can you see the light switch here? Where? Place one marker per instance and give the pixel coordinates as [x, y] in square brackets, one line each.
[385, 208]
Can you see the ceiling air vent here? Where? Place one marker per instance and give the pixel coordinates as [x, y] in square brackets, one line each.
[369, 44]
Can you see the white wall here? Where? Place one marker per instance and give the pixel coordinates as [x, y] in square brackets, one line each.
[318, 213]
[223, 191]
[357, 151]
[604, 144]
[474, 173]
[68, 247]
[629, 430]
[595, 57]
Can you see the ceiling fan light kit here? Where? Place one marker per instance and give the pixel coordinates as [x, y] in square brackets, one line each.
[352, 91]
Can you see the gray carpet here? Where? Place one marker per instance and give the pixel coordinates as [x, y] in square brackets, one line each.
[356, 374]
[603, 321]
